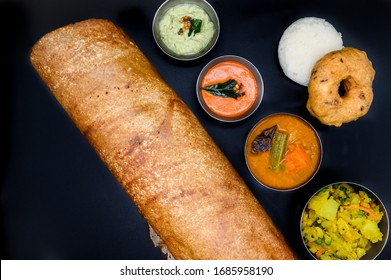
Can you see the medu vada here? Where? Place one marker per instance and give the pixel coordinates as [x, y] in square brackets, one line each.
[340, 87]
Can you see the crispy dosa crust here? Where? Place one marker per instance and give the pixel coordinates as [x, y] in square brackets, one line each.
[178, 178]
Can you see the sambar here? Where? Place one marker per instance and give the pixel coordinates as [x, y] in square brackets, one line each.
[283, 151]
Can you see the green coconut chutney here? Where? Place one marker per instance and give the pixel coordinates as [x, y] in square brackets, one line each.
[175, 34]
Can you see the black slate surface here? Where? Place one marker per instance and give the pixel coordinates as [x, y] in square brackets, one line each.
[59, 201]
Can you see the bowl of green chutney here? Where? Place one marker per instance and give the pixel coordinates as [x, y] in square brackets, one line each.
[186, 29]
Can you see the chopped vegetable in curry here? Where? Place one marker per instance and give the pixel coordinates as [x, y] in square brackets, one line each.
[341, 223]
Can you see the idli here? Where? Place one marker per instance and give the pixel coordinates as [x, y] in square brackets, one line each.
[303, 43]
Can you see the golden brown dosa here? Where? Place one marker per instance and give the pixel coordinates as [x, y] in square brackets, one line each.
[156, 148]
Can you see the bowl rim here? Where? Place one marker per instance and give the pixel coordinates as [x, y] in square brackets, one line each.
[320, 152]
[201, 53]
[370, 192]
[254, 70]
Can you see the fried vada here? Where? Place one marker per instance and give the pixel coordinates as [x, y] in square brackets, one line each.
[340, 87]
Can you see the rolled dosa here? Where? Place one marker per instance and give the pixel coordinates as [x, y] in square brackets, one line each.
[181, 182]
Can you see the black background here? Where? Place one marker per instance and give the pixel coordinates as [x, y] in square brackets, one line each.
[59, 201]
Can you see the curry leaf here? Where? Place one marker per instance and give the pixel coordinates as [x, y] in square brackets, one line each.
[195, 26]
[226, 89]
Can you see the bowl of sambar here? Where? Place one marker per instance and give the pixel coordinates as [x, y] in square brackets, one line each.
[283, 151]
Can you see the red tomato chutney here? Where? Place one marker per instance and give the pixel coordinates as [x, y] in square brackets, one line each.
[221, 73]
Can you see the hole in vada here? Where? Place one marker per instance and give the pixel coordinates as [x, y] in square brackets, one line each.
[342, 88]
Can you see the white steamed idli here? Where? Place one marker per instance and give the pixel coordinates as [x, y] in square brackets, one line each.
[303, 43]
